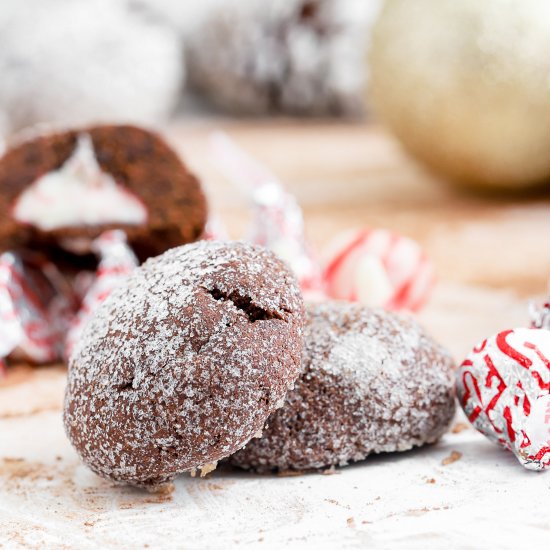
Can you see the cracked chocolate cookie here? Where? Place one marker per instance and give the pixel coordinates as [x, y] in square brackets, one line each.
[372, 382]
[182, 365]
[64, 189]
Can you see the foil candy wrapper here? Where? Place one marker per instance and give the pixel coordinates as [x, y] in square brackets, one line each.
[36, 306]
[504, 388]
[116, 262]
[41, 312]
[277, 220]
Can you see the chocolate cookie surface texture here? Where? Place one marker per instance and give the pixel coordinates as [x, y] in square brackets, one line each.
[181, 366]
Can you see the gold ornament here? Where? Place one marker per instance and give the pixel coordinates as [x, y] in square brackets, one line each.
[465, 85]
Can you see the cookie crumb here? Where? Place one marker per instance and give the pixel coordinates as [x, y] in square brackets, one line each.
[415, 512]
[207, 468]
[164, 489]
[453, 457]
[431, 480]
[12, 460]
[459, 427]
[291, 473]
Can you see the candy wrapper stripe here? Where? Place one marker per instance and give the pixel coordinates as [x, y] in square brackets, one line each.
[504, 389]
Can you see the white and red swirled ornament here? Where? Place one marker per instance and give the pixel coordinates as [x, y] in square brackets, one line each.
[378, 268]
[504, 389]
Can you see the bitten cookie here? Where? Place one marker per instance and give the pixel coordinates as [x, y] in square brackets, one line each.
[64, 189]
[372, 382]
[182, 365]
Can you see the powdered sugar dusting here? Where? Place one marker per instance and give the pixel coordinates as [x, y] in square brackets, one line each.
[182, 365]
[373, 381]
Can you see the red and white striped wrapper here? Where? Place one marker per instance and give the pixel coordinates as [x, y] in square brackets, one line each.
[504, 389]
[41, 313]
[36, 306]
[378, 268]
[116, 261]
[278, 222]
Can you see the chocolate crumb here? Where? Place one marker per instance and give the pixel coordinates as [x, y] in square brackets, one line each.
[336, 503]
[417, 512]
[291, 473]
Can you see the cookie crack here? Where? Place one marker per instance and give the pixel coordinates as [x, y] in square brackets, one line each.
[245, 304]
[125, 386]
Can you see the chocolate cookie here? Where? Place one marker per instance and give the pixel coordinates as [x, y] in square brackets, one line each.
[64, 189]
[372, 382]
[182, 365]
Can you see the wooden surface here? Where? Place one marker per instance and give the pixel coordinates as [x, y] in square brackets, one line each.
[492, 255]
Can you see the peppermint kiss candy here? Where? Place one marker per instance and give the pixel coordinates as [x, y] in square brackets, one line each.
[277, 219]
[503, 387]
[378, 268]
[36, 305]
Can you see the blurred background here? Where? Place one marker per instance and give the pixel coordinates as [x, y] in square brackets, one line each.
[428, 117]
